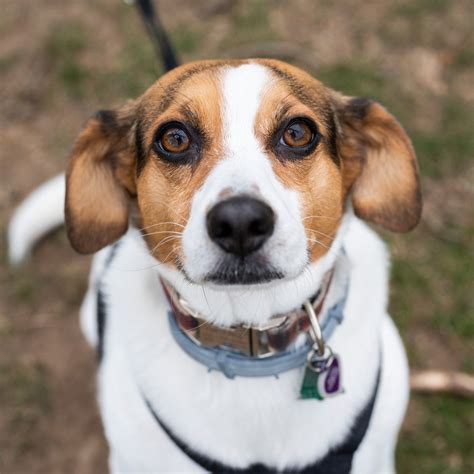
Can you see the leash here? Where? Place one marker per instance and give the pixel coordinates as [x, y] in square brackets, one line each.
[157, 33]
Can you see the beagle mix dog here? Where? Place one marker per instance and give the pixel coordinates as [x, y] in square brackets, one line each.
[237, 301]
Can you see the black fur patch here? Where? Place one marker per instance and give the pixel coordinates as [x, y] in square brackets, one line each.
[107, 119]
[331, 141]
[101, 315]
[358, 107]
[139, 147]
[102, 306]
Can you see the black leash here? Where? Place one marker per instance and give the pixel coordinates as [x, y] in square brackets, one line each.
[158, 35]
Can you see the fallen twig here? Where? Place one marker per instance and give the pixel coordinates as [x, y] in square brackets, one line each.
[437, 381]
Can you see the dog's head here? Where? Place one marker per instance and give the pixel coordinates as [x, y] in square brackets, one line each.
[240, 171]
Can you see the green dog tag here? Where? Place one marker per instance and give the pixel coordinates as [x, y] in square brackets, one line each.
[309, 387]
[322, 379]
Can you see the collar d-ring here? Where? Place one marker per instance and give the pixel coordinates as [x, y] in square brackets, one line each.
[316, 333]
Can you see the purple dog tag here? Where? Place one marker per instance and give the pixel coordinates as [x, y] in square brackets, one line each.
[322, 381]
[331, 378]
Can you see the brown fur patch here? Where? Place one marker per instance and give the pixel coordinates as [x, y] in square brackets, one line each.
[380, 166]
[165, 190]
[100, 181]
[316, 177]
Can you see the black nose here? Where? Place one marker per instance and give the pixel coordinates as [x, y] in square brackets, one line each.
[240, 225]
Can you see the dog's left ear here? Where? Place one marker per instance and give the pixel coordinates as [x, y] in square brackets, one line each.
[379, 165]
[100, 180]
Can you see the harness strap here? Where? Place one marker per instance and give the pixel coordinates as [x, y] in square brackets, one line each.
[101, 304]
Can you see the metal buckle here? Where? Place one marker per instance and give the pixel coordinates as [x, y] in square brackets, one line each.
[245, 338]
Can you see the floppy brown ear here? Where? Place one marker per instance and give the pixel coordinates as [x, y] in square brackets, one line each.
[379, 165]
[100, 180]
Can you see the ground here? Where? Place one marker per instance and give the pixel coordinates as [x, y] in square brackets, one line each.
[61, 61]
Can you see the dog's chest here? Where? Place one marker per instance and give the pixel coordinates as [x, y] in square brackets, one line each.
[242, 421]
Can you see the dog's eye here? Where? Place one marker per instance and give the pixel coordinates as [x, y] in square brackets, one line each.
[174, 140]
[177, 143]
[297, 134]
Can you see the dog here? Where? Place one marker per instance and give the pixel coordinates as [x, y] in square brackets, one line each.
[237, 300]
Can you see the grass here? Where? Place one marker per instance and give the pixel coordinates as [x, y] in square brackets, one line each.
[24, 398]
[135, 71]
[356, 79]
[447, 279]
[449, 149]
[186, 40]
[442, 442]
[250, 23]
[63, 48]
[419, 8]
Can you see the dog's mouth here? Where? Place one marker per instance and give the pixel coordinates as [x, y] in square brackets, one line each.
[235, 271]
[243, 271]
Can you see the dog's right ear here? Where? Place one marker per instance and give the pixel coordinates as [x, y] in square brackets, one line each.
[100, 179]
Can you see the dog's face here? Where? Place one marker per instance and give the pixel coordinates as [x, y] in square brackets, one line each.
[240, 171]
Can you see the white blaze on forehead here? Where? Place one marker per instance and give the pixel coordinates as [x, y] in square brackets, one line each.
[245, 168]
[242, 91]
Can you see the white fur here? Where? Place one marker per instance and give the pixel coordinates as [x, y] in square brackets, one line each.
[40, 212]
[242, 421]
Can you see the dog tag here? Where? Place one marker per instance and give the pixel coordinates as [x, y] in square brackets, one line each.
[322, 379]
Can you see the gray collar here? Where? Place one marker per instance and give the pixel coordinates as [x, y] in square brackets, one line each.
[234, 363]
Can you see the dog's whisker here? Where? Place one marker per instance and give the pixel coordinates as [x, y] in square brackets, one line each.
[320, 217]
[205, 297]
[162, 232]
[167, 259]
[162, 223]
[204, 323]
[162, 242]
[319, 243]
[331, 238]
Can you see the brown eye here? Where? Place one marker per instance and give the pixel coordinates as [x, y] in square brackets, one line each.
[297, 134]
[175, 140]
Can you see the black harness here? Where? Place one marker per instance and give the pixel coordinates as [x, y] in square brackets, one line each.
[337, 461]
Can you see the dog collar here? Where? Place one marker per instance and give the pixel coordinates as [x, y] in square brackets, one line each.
[254, 351]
